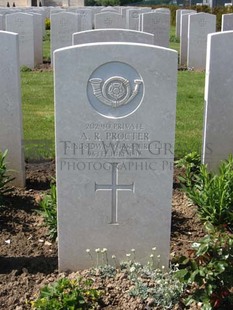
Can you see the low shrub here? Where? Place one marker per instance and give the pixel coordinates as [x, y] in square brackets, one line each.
[212, 193]
[5, 178]
[69, 294]
[208, 272]
[48, 209]
[47, 24]
[25, 69]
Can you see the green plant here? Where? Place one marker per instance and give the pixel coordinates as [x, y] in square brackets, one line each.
[162, 287]
[174, 38]
[47, 24]
[48, 206]
[68, 294]
[209, 270]
[25, 69]
[5, 179]
[213, 193]
[190, 164]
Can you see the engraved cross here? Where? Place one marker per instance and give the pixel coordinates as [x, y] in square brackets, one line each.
[202, 22]
[114, 187]
[108, 21]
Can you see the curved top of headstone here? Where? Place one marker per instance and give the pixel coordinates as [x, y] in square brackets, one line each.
[109, 9]
[112, 35]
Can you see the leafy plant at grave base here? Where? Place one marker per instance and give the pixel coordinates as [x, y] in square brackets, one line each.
[190, 164]
[48, 206]
[174, 38]
[69, 294]
[212, 193]
[47, 24]
[161, 287]
[150, 282]
[25, 69]
[5, 179]
[208, 273]
[46, 36]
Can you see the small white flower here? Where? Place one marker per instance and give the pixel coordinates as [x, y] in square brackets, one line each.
[163, 267]
[195, 245]
[97, 250]
[132, 250]
[158, 256]
[154, 249]
[128, 255]
[113, 256]
[152, 255]
[104, 250]
[88, 250]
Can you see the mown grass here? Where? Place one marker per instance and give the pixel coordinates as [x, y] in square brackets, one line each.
[38, 110]
[38, 113]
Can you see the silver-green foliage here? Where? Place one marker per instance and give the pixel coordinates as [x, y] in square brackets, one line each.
[160, 286]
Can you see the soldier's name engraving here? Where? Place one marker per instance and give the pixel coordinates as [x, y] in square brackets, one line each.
[103, 149]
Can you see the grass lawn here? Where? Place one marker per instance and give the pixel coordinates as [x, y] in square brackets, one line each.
[38, 110]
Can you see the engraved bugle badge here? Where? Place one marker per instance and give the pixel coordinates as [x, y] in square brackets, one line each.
[115, 91]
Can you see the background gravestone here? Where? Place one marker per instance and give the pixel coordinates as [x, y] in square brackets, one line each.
[184, 38]
[112, 35]
[218, 129]
[132, 18]
[11, 132]
[38, 38]
[63, 25]
[199, 26]
[227, 22]
[23, 24]
[108, 20]
[115, 126]
[86, 19]
[159, 25]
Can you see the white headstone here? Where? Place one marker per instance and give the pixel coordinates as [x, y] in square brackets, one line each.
[108, 20]
[227, 22]
[218, 120]
[115, 124]
[184, 38]
[23, 24]
[111, 9]
[112, 35]
[1, 22]
[38, 37]
[132, 18]
[159, 25]
[163, 10]
[11, 132]
[63, 25]
[199, 26]
[86, 19]
[179, 12]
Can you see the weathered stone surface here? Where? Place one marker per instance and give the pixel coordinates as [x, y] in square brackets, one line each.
[115, 124]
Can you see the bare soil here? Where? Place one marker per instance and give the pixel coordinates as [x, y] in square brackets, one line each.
[28, 258]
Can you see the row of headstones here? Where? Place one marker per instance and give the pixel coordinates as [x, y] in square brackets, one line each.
[115, 128]
[192, 28]
[29, 23]
[30, 26]
[64, 25]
